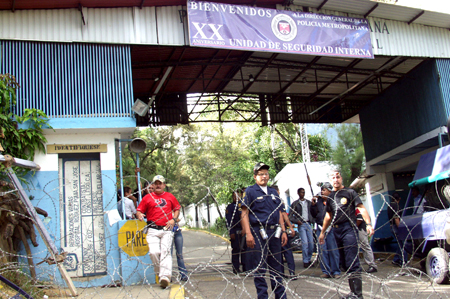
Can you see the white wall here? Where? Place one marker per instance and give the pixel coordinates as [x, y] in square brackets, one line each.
[293, 176]
[189, 217]
[49, 162]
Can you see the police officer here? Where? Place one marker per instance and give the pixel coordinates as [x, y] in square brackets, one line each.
[233, 215]
[261, 216]
[286, 249]
[341, 215]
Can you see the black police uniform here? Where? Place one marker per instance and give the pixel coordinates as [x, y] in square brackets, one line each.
[264, 211]
[287, 250]
[233, 216]
[342, 208]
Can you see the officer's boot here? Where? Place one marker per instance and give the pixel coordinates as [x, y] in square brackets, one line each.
[357, 287]
[355, 284]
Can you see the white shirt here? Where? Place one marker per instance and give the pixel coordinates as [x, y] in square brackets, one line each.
[305, 212]
[130, 209]
[264, 188]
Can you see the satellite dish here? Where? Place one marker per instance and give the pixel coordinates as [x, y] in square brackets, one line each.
[140, 108]
[138, 145]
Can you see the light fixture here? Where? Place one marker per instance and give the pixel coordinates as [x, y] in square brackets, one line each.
[156, 79]
[250, 78]
[140, 108]
[304, 80]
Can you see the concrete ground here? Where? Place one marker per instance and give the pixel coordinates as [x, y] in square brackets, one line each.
[210, 276]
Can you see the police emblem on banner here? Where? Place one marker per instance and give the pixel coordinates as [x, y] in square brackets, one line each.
[343, 200]
[284, 27]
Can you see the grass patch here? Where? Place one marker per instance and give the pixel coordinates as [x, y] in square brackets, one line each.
[20, 279]
[218, 228]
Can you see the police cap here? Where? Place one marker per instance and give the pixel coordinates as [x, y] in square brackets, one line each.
[259, 166]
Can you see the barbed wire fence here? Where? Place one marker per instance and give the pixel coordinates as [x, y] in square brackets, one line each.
[34, 269]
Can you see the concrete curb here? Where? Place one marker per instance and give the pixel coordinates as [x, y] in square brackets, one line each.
[209, 233]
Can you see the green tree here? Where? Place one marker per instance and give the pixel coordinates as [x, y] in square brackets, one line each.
[281, 144]
[348, 155]
[20, 142]
[215, 156]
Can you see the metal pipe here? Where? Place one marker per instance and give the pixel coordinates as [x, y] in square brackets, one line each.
[121, 180]
[440, 139]
[138, 178]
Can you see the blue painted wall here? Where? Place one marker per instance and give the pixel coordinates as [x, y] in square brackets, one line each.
[44, 187]
[383, 229]
[412, 107]
[93, 122]
[443, 67]
[70, 80]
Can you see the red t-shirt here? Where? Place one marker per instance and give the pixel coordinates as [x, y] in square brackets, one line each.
[159, 207]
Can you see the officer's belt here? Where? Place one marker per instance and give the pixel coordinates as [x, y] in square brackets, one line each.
[267, 227]
[340, 224]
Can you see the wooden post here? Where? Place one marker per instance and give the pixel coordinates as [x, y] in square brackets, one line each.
[8, 162]
[28, 250]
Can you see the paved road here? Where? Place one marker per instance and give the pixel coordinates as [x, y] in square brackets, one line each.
[210, 276]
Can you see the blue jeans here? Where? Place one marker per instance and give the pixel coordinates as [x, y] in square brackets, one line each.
[178, 241]
[401, 256]
[329, 254]
[306, 234]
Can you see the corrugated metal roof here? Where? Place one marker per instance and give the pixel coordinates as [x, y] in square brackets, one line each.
[395, 11]
[170, 25]
[48, 25]
[167, 26]
[149, 25]
[56, 4]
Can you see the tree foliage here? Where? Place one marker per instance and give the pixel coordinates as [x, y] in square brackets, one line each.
[348, 154]
[20, 142]
[217, 157]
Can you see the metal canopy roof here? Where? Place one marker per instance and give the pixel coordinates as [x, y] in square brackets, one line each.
[227, 85]
[200, 84]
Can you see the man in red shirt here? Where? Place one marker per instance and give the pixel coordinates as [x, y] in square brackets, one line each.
[158, 207]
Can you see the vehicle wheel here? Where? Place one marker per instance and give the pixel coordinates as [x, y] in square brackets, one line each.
[437, 265]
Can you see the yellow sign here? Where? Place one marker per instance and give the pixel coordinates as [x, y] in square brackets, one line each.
[131, 238]
[76, 148]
